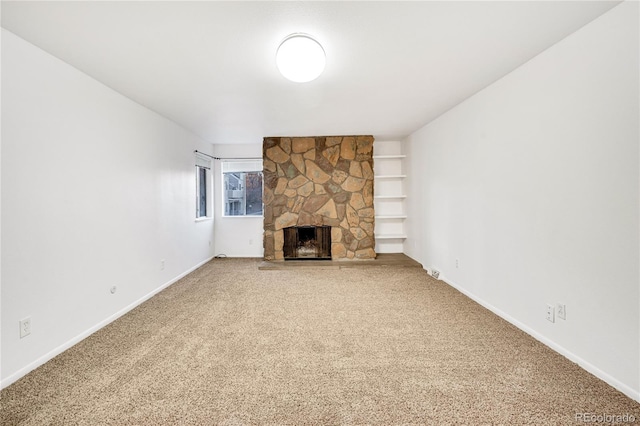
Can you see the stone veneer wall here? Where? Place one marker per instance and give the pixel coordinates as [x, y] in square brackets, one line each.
[320, 181]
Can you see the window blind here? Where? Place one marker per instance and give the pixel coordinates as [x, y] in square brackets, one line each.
[202, 161]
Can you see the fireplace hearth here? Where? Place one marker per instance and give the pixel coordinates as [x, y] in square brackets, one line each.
[307, 243]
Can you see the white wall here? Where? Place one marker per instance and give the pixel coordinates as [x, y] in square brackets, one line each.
[96, 190]
[1, 33]
[533, 185]
[236, 236]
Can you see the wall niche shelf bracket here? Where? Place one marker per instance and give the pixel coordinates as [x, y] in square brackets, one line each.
[389, 157]
[391, 177]
[391, 237]
[389, 197]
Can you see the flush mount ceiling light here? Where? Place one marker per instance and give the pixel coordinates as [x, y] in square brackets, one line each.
[300, 58]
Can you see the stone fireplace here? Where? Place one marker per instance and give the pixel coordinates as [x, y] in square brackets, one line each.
[324, 183]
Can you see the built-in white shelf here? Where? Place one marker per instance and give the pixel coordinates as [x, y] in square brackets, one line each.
[391, 176]
[386, 157]
[391, 237]
[389, 197]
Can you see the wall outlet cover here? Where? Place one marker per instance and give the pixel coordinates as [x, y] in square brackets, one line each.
[25, 327]
[550, 313]
[561, 310]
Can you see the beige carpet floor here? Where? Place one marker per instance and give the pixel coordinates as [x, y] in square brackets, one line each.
[233, 345]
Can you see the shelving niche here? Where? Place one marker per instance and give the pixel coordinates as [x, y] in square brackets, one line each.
[389, 196]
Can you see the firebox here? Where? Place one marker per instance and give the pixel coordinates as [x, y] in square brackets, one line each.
[307, 242]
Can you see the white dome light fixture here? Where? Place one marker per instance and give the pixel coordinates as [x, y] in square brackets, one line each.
[300, 58]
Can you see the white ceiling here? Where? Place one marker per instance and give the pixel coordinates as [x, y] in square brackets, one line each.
[210, 66]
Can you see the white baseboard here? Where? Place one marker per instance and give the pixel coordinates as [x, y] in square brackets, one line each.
[627, 390]
[50, 355]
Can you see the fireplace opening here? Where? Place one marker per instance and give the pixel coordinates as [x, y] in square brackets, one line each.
[307, 242]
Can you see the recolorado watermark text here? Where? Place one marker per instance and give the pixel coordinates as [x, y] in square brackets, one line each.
[609, 419]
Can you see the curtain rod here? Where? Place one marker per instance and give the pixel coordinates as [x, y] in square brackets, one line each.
[226, 158]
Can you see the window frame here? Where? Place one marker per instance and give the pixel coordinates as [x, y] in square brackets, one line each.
[224, 192]
[203, 174]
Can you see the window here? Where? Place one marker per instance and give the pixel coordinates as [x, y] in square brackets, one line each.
[242, 188]
[203, 175]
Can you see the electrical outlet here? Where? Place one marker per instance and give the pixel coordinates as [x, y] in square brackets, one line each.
[25, 327]
[562, 310]
[162, 265]
[550, 313]
[435, 273]
[457, 263]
